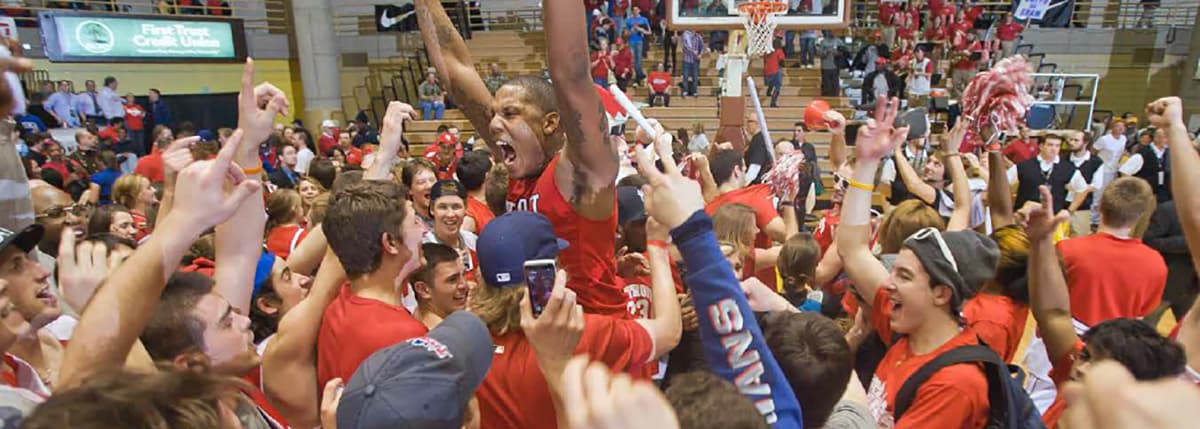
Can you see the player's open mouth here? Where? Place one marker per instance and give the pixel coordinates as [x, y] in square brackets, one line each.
[507, 152]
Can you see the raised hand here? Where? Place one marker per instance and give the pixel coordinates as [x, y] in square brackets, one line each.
[956, 135]
[555, 333]
[391, 139]
[1165, 112]
[257, 108]
[670, 197]
[631, 264]
[836, 122]
[214, 188]
[594, 398]
[178, 155]
[391, 136]
[82, 268]
[879, 136]
[1041, 222]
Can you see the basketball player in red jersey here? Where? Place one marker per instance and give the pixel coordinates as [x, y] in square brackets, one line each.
[552, 138]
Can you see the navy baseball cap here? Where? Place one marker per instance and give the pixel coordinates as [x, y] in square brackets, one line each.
[25, 239]
[509, 241]
[421, 383]
[206, 135]
[630, 205]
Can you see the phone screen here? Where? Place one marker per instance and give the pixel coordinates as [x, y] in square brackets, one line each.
[540, 281]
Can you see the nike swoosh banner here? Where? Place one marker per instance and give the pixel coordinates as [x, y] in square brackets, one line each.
[400, 17]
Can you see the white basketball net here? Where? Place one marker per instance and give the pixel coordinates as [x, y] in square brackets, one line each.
[760, 30]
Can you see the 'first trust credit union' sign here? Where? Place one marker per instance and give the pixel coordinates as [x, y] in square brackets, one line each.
[105, 38]
[142, 38]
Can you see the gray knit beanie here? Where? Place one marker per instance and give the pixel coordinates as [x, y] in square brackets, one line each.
[974, 254]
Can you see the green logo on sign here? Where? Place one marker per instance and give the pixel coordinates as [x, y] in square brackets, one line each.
[95, 37]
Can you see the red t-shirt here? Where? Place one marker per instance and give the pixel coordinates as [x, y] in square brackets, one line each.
[954, 397]
[623, 62]
[1112, 277]
[998, 320]
[600, 70]
[771, 62]
[354, 156]
[759, 198]
[967, 63]
[590, 255]
[134, 116]
[141, 223]
[514, 394]
[1009, 32]
[619, 7]
[886, 11]
[282, 240]
[353, 327]
[936, 7]
[151, 167]
[1021, 150]
[659, 81]
[327, 143]
[480, 212]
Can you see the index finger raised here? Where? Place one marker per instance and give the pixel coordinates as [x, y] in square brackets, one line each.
[246, 99]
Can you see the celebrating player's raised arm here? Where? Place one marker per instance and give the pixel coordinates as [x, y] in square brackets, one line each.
[456, 70]
[587, 172]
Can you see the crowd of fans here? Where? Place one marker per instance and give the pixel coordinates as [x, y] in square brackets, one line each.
[545, 273]
[918, 47]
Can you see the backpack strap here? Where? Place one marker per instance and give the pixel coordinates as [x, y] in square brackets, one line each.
[962, 354]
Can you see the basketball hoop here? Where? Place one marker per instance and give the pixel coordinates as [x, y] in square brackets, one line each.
[760, 24]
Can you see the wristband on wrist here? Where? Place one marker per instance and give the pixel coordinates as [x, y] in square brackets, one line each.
[258, 169]
[657, 243]
[787, 204]
[860, 185]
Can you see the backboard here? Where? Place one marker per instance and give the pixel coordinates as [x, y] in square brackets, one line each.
[722, 14]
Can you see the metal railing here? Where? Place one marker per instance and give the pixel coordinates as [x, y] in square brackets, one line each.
[257, 15]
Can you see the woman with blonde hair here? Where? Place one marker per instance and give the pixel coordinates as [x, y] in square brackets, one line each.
[285, 213]
[135, 193]
[734, 223]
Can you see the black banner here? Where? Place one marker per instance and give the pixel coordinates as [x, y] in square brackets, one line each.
[396, 18]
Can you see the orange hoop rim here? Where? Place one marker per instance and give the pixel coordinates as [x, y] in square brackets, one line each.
[759, 10]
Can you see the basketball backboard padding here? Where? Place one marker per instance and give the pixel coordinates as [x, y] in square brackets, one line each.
[722, 15]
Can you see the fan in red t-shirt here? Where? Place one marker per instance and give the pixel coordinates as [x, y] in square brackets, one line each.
[602, 61]
[444, 155]
[1130, 342]
[916, 306]
[354, 156]
[660, 85]
[1111, 273]
[376, 209]
[1007, 33]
